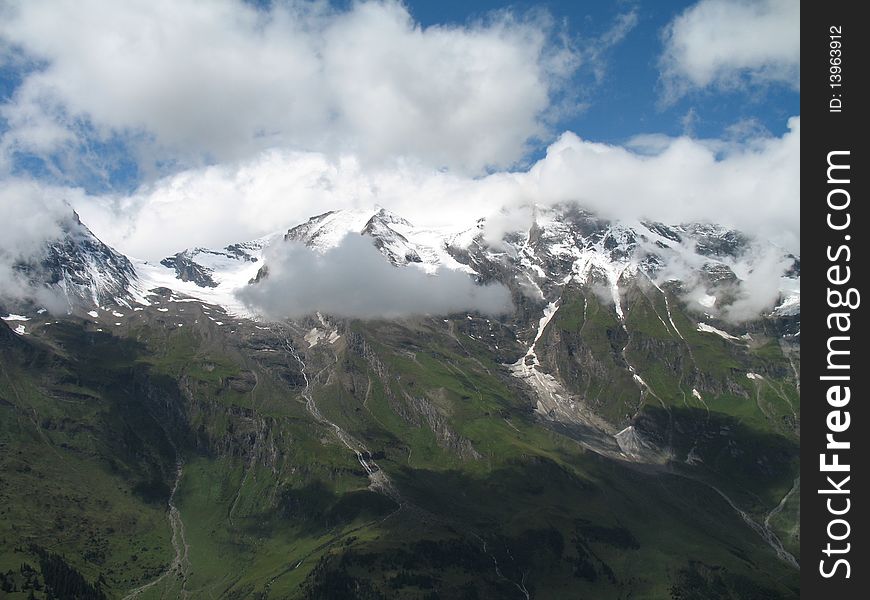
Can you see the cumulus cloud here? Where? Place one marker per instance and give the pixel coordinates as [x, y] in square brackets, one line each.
[752, 185]
[726, 44]
[354, 280]
[276, 190]
[224, 80]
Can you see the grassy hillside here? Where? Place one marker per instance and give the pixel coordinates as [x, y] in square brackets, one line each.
[169, 460]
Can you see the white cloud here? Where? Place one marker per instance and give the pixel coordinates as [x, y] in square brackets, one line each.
[353, 280]
[727, 43]
[760, 286]
[760, 270]
[221, 80]
[276, 190]
[36, 215]
[749, 183]
[595, 52]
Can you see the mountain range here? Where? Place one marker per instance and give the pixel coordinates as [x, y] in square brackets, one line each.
[627, 428]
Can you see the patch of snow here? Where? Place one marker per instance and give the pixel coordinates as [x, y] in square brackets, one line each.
[20, 330]
[790, 306]
[710, 329]
[12, 317]
[526, 367]
[670, 318]
[230, 274]
[93, 313]
[754, 376]
[314, 336]
[466, 237]
[707, 301]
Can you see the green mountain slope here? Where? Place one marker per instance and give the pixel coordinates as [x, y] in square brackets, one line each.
[174, 457]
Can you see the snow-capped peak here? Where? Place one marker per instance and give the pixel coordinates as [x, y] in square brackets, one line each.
[399, 240]
[80, 269]
[326, 230]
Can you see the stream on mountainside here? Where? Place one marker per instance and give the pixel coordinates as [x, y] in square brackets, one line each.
[377, 476]
[180, 564]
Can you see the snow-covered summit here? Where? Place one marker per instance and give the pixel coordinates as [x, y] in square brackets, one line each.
[80, 269]
[566, 244]
[399, 240]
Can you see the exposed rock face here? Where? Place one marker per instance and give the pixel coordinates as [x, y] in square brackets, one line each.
[188, 270]
[81, 269]
[419, 410]
[712, 240]
[200, 265]
[391, 244]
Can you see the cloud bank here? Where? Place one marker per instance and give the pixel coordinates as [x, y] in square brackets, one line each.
[725, 44]
[750, 184]
[180, 80]
[353, 280]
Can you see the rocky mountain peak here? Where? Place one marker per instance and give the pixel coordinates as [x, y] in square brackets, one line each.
[80, 268]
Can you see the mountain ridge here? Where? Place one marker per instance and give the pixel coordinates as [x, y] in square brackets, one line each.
[566, 242]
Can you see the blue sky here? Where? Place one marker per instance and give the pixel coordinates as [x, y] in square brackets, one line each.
[626, 103]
